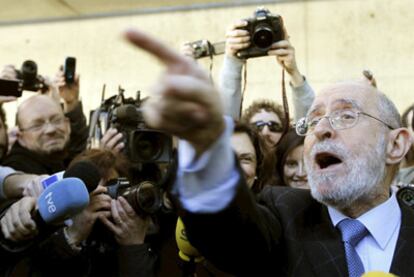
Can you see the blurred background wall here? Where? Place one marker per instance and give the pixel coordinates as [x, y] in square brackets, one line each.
[334, 40]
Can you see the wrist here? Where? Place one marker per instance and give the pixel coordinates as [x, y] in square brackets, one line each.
[207, 139]
[72, 239]
[296, 79]
[70, 106]
[15, 184]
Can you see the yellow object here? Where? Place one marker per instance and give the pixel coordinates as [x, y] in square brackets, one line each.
[187, 251]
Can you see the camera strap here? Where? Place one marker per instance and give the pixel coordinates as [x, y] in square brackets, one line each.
[285, 107]
[243, 90]
[286, 123]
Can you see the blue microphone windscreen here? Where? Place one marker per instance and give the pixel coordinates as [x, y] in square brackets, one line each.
[63, 200]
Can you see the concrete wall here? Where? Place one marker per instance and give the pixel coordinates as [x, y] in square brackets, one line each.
[334, 40]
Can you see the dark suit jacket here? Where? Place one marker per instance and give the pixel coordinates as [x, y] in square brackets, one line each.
[287, 234]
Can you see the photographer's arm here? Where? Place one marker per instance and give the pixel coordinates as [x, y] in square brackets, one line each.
[302, 93]
[231, 73]
[16, 185]
[73, 110]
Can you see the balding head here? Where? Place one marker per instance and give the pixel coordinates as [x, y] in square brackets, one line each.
[42, 124]
[369, 96]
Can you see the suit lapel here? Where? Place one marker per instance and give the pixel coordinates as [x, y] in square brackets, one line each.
[403, 260]
[324, 248]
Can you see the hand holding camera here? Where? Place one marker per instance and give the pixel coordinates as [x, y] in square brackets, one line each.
[237, 38]
[99, 206]
[264, 30]
[285, 56]
[127, 227]
[112, 140]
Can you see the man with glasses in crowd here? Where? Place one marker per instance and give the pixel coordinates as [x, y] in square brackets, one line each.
[48, 138]
[350, 222]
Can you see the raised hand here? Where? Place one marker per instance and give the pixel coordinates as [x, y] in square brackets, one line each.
[184, 102]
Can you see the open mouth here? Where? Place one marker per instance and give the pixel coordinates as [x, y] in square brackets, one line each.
[325, 160]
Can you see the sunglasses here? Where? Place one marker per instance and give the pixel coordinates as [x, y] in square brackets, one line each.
[272, 125]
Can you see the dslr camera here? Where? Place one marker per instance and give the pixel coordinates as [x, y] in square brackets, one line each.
[29, 77]
[264, 29]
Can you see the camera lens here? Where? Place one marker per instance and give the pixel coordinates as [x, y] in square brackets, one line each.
[147, 146]
[29, 72]
[144, 198]
[262, 36]
[406, 195]
[149, 198]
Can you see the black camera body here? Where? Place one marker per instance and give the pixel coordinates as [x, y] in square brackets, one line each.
[145, 197]
[264, 29]
[30, 79]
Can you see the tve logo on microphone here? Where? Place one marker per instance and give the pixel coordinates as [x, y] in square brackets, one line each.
[51, 208]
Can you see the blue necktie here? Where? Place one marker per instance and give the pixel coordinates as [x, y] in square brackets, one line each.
[353, 232]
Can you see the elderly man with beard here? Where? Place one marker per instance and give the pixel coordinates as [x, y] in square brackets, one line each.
[349, 223]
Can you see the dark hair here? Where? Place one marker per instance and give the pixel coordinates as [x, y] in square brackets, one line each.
[287, 143]
[264, 168]
[267, 105]
[105, 160]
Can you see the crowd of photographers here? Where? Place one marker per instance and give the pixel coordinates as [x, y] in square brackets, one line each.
[126, 225]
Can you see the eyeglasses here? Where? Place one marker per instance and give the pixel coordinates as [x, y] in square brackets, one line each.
[342, 119]
[41, 125]
[272, 125]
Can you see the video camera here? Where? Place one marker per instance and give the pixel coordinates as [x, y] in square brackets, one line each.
[149, 151]
[264, 29]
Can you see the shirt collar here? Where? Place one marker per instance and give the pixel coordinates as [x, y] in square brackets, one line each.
[381, 221]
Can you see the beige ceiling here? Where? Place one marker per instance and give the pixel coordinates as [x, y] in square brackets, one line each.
[29, 11]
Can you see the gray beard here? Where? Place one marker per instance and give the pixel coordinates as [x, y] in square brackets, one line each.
[365, 170]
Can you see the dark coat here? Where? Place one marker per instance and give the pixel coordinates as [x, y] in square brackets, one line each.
[287, 234]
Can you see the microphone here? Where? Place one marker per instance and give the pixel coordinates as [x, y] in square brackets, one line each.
[84, 170]
[61, 201]
[87, 172]
[58, 202]
[378, 274]
[187, 252]
[52, 179]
